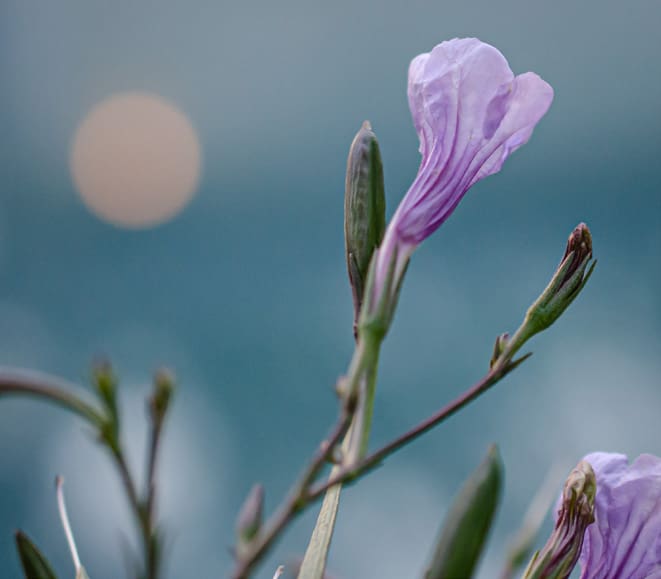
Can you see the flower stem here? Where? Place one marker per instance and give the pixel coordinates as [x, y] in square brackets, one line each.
[13, 381]
[357, 443]
[357, 410]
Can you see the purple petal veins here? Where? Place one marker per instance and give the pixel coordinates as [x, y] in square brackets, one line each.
[625, 540]
[470, 112]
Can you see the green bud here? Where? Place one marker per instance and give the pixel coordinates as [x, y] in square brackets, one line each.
[567, 282]
[105, 383]
[249, 520]
[162, 394]
[559, 556]
[364, 209]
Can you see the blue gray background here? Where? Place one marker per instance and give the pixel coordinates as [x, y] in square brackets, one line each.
[244, 294]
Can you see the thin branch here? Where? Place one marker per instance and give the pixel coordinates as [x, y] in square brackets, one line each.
[29, 383]
[151, 547]
[348, 474]
[303, 495]
[154, 445]
[151, 544]
[298, 498]
[127, 481]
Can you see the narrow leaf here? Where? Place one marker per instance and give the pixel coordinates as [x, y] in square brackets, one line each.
[467, 525]
[35, 565]
[314, 561]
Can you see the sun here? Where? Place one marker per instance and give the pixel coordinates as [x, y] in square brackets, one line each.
[136, 160]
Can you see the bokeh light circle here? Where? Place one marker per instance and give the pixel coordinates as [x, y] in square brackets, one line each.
[135, 160]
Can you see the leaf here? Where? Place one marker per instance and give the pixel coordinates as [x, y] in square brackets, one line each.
[35, 565]
[314, 561]
[466, 527]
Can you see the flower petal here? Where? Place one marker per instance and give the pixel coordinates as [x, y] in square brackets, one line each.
[527, 102]
[470, 113]
[625, 540]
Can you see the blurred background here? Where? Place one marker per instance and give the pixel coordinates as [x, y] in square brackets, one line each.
[235, 277]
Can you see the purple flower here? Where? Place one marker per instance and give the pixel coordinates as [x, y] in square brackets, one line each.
[470, 112]
[625, 540]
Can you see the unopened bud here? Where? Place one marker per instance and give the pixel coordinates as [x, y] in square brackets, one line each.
[567, 282]
[162, 394]
[249, 520]
[559, 556]
[580, 245]
[105, 382]
[364, 209]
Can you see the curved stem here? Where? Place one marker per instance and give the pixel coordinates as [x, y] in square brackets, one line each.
[50, 389]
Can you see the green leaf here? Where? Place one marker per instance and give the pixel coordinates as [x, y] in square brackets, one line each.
[466, 527]
[314, 561]
[35, 565]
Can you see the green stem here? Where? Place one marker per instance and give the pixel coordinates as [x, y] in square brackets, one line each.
[523, 333]
[370, 345]
[362, 381]
[367, 408]
[152, 550]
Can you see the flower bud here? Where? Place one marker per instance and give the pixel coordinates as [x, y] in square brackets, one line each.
[580, 244]
[567, 282]
[105, 383]
[560, 554]
[162, 394]
[249, 520]
[364, 209]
